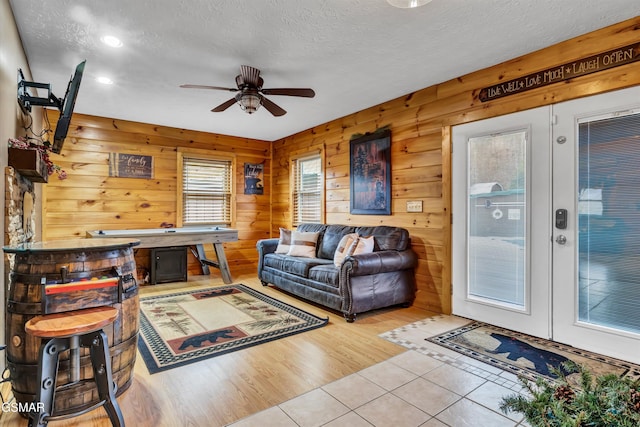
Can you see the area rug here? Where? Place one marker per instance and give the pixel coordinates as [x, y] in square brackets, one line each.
[527, 356]
[190, 326]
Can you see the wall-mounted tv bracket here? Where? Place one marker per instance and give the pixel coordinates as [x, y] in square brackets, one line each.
[26, 100]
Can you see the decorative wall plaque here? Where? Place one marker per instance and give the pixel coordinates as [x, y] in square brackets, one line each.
[130, 165]
[602, 61]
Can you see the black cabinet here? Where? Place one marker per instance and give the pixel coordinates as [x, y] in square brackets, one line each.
[168, 265]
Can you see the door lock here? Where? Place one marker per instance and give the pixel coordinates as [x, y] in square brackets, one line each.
[561, 240]
[561, 219]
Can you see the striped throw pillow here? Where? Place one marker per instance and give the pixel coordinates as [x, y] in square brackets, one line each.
[303, 244]
[285, 241]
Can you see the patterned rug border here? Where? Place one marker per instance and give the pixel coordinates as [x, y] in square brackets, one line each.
[629, 369]
[149, 333]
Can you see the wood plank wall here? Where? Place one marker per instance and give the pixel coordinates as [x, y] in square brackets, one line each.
[91, 200]
[421, 126]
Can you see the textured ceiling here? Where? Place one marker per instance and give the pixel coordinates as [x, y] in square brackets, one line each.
[353, 53]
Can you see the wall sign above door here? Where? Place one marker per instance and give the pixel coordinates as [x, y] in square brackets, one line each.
[570, 70]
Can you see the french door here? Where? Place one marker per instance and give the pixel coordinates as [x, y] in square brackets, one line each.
[546, 222]
[596, 258]
[501, 224]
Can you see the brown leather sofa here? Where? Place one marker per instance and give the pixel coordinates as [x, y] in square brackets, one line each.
[363, 282]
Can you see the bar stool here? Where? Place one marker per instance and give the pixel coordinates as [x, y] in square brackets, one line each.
[69, 331]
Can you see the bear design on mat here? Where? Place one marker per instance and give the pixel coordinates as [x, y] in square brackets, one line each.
[197, 340]
[541, 359]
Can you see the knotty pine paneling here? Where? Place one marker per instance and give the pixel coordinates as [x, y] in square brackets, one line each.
[421, 127]
[420, 124]
[91, 200]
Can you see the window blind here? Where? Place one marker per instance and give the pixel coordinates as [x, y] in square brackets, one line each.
[307, 190]
[206, 190]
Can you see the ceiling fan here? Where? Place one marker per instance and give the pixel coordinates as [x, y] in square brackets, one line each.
[250, 94]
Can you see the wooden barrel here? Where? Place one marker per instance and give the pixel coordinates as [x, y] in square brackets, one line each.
[53, 277]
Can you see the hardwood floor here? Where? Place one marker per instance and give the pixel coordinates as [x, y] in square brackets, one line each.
[224, 389]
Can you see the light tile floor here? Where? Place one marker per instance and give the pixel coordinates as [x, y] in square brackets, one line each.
[427, 386]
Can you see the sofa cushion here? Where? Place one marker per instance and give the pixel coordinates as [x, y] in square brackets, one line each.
[345, 248]
[330, 239]
[387, 238]
[300, 266]
[293, 265]
[303, 244]
[285, 241]
[274, 261]
[328, 273]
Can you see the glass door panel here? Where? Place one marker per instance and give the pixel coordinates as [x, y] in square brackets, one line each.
[497, 212]
[501, 194]
[609, 221]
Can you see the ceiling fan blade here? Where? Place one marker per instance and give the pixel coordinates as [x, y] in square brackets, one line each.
[273, 108]
[224, 105]
[250, 75]
[209, 87]
[306, 93]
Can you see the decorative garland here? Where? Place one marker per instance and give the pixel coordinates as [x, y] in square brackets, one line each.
[23, 143]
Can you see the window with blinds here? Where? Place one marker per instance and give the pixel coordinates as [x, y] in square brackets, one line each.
[206, 188]
[307, 190]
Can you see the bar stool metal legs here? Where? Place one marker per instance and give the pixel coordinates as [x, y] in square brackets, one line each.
[48, 369]
[72, 331]
[101, 362]
[47, 373]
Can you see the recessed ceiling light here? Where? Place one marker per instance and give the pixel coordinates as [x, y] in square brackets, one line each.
[407, 4]
[111, 41]
[104, 80]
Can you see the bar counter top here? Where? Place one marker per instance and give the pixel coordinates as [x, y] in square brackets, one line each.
[71, 244]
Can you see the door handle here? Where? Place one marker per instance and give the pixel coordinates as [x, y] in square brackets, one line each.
[561, 239]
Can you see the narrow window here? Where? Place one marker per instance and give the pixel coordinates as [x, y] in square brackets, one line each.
[307, 190]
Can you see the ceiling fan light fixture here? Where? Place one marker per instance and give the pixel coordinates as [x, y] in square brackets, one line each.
[249, 102]
[407, 4]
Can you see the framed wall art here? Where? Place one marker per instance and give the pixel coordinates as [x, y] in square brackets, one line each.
[370, 157]
[253, 178]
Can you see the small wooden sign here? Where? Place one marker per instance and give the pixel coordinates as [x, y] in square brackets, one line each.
[602, 61]
[130, 165]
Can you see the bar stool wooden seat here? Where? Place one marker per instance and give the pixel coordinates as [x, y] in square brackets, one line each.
[72, 330]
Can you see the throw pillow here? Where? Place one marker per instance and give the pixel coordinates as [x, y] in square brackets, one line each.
[285, 241]
[364, 246]
[345, 248]
[303, 244]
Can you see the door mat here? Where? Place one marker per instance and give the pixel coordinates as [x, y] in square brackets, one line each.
[527, 356]
[190, 326]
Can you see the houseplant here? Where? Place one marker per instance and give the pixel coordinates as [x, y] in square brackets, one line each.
[606, 401]
[41, 150]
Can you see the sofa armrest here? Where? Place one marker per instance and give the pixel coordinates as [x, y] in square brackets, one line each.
[265, 246]
[380, 262]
